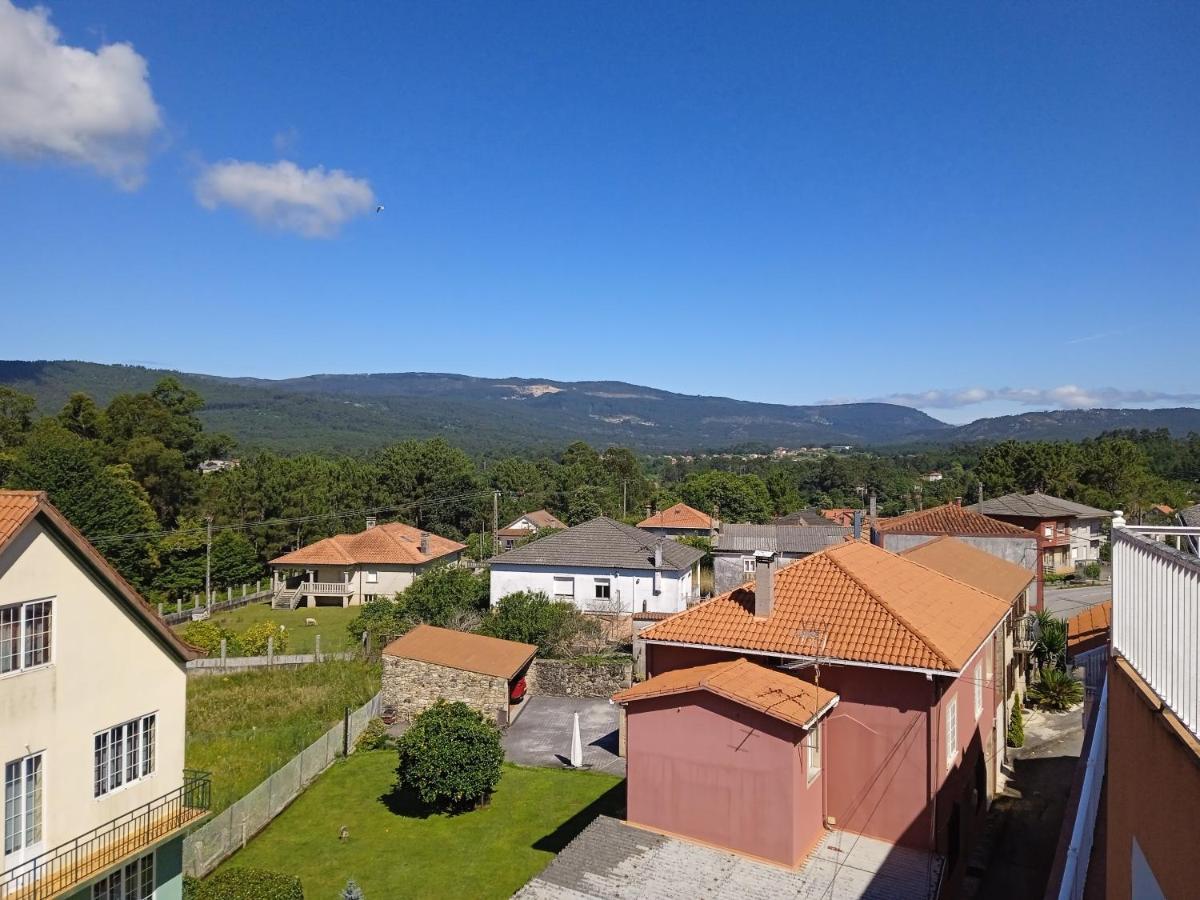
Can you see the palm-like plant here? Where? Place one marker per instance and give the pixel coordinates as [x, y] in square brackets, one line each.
[1055, 690]
[1051, 646]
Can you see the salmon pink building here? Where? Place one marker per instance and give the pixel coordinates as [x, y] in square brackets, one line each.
[854, 690]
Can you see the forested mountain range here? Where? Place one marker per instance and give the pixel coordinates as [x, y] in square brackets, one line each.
[358, 412]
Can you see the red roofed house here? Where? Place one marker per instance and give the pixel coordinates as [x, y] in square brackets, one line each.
[528, 524]
[853, 690]
[679, 520]
[350, 569]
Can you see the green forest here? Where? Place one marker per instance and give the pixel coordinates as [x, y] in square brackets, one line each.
[126, 475]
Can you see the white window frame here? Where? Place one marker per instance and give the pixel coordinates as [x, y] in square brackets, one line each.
[371, 577]
[136, 743]
[21, 639]
[951, 733]
[561, 581]
[978, 689]
[26, 839]
[748, 564]
[599, 583]
[812, 753]
[115, 885]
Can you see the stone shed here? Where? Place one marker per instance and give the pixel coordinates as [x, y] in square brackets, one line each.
[429, 663]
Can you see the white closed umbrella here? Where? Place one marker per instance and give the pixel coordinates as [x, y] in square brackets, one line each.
[576, 745]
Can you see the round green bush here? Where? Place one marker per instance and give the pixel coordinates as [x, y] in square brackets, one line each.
[374, 737]
[450, 757]
[207, 635]
[250, 884]
[254, 639]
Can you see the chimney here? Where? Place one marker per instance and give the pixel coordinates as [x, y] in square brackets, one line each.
[658, 555]
[857, 524]
[370, 521]
[872, 506]
[649, 510]
[958, 501]
[764, 586]
[425, 543]
[981, 496]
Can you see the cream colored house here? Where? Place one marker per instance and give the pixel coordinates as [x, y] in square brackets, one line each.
[92, 699]
[348, 569]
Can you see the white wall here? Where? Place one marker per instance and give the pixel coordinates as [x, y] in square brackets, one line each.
[106, 669]
[636, 586]
[1083, 533]
[391, 579]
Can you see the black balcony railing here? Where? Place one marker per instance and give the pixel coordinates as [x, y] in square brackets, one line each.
[56, 871]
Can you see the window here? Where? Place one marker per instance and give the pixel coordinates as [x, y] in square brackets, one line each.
[134, 881]
[1048, 531]
[603, 589]
[22, 803]
[951, 732]
[747, 565]
[25, 635]
[812, 747]
[978, 689]
[372, 578]
[123, 754]
[564, 588]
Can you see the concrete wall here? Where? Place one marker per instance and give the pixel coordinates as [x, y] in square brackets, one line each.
[1084, 533]
[728, 570]
[1021, 551]
[1153, 791]
[410, 686]
[106, 669]
[708, 769]
[636, 586]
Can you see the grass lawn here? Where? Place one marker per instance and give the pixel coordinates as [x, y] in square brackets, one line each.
[243, 727]
[489, 852]
[331, 625]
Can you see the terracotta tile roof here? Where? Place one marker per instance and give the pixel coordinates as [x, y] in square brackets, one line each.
[391, 544]
[19, 508]
[950, 519]
[1093, 623]
[543, 518]
[973, 566]
[462, 650]
[854, 602]
[769, 691]
[844, 515]
[678, 516]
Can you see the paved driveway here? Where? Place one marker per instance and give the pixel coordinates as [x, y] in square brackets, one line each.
[541, 736]
[1066, 602]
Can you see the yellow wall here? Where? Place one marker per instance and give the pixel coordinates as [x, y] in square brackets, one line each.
[106, 669]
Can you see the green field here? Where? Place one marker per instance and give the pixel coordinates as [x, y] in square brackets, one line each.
[331, 625]
[393, 852]
[243, 727]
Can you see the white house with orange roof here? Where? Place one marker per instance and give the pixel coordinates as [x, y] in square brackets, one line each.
[93, 691]
[350, 569]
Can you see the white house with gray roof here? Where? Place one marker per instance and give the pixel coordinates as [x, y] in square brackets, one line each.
[603, 566]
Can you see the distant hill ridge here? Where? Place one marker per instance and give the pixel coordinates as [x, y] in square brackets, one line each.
[355, 412]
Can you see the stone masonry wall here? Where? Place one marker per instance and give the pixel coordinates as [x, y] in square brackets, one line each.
[566, 678]
[410, 686]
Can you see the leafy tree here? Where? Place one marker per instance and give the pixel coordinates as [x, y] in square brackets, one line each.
[207, 635]
[584, 503]
[450, 757]
[418, 473]
[164, 474]
[531, 617]
[445, 596]
[381, 620]
[16, 417]
[234, 560]
[738, 498]
[81, 416]
[1016, 726]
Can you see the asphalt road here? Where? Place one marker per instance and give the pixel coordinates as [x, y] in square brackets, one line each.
[1066, 602]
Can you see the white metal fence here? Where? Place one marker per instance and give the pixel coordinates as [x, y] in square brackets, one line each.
[1156, 614]
[228, 831]
[1079, 850]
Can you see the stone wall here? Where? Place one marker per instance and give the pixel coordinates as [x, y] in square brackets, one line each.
[568, 678]
[410, 686]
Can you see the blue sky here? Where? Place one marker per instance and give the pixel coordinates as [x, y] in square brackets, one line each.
[976, 208]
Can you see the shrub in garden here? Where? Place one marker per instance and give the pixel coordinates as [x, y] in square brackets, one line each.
[1016, 726]
[1091, 571]
[450, 756]
[250, 884]
[1051, 646]
[445, 595]
[531, 617]
[1055, 690]
[254, 639]
[207, 636]
[374, 737]
[381, 619]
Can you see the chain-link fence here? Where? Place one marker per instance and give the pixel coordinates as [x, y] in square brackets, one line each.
[215, 841]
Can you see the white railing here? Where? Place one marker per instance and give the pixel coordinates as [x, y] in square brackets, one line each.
[1079, 850]
[1156, 614]
[324, 587]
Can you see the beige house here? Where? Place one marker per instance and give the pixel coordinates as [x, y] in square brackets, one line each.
[528, 524]
[92, 699]
[349, 569]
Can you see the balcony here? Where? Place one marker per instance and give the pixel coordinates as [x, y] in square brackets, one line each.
[1156, 613]
[71, 865]
[325, 588]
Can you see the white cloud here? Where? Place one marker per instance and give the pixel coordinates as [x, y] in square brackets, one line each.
[1067, 396]
[310, 202]
[70, 104]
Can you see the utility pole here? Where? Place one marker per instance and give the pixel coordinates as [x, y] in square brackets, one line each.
[624, 496]
[495, 522]
[208, 564]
